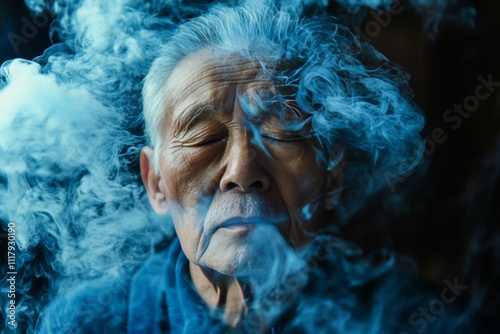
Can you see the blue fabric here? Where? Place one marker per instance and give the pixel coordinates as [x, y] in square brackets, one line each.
[98, 306]
[135, 306]
[166, 277]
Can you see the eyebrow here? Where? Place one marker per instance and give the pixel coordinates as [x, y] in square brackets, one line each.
[199, 112]
[289, 109]
[194, 115]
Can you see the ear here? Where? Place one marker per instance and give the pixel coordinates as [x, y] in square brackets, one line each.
[152, 182]
[334, 185]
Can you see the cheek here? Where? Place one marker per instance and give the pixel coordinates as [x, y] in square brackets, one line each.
[189, 174]
[187, 181]
[189, 239]
[300, 181]
[297, 169]
[189, 228]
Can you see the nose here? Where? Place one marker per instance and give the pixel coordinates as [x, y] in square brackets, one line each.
[243, 171]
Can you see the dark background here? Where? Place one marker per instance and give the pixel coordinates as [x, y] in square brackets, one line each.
[452, 200]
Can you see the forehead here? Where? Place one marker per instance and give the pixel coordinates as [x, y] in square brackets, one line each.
[206, 78]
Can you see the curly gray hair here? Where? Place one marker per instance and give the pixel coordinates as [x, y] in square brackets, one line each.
[355, 100]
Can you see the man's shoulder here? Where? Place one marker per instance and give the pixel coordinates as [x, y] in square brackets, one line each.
[147, 307]
[107, 304]
[96, 306]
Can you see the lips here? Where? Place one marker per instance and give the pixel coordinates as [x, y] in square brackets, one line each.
[232, 222]
[240, 229]
[243, 224]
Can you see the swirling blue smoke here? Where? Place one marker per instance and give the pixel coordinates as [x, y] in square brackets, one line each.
[71, 131]
[68, 146]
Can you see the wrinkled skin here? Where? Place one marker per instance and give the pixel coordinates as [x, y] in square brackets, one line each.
[229, 164]
[238, 174]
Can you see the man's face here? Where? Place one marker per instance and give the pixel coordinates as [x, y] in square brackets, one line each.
[234, 175]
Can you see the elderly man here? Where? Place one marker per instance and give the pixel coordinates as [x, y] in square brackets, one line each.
[265, 131]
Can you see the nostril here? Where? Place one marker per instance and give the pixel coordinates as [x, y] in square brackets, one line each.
[231, 185]
[257, 185]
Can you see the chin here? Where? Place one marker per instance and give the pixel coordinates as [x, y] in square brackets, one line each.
[231, 259]
[256, 253]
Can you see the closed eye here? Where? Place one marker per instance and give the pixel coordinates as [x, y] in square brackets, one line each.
[202, 140]
[212, 141]
[282, 138]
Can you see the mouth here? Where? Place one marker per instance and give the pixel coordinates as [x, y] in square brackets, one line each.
[242, 225]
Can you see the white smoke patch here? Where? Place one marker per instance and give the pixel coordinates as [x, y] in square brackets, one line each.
[64, 176]
[44, 136]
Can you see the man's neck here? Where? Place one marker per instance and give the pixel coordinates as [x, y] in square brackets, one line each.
[221, 291]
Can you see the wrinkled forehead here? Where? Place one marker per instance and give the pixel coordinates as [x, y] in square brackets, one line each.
[209, 78]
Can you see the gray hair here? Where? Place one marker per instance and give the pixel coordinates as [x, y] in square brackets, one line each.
[354, 97]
